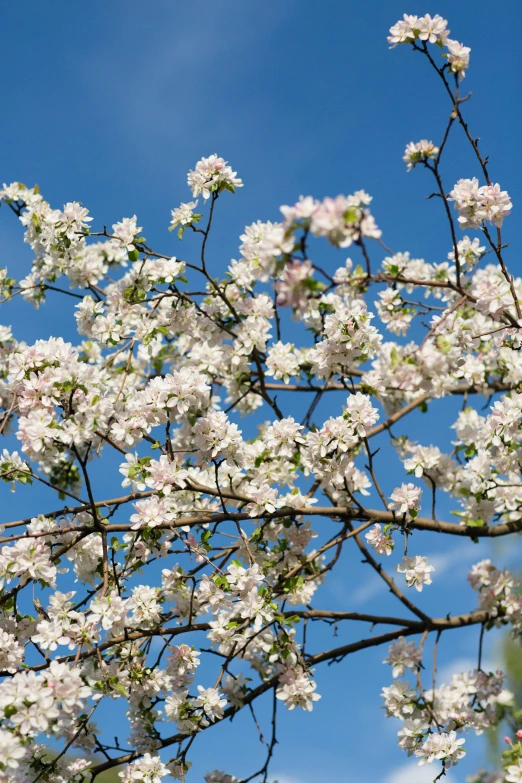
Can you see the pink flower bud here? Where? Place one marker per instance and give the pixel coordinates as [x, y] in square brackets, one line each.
[519, 733]
[507, 740]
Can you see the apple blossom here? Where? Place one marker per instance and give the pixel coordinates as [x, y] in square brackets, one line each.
[406, 499]
[417, 152]
[212, 175]
[416, 571]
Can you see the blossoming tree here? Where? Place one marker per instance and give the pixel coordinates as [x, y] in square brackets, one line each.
[190, 380]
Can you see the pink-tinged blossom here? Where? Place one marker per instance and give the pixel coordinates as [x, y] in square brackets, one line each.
[12, 653]
[220, 777]
[360, 413]
[182, 662]
[11, 750]
[476, 204]
[149, 769]
[406, 500]
[211, 703]
[404, 31]
[212, 175]
[301, 212]
[345, 219]
[264, 500]
[282, 362]
[403, 655]
[109, 610]
[184, 214]
[419, 152]
[493, 294]
[50, 635]
[216, 437]
[261, 244]
[27, 559]
[441, 747]
[144, 607]
[458, 57]
[283, 436]
[36, 431]
[67, 686]
[349, 338]
[166, 473]
[297, 689]
[295, 284]
[244, 579]
[416, 570]
[470, 252]
[151, 512]
[126, 231]
[162, 270]
[13, 467]
[379, 541]
[514, 772]
[431, 29]
[393, 311]
[179, 392]
[399, 699]
[423, 28]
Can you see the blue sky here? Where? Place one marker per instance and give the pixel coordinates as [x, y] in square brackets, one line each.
[111, 103]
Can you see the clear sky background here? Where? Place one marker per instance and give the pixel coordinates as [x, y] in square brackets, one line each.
[111, 103]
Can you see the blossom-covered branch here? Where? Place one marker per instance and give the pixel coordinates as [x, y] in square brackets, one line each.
[240, 500]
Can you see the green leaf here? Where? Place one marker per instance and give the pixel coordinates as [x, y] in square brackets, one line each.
[120, 688]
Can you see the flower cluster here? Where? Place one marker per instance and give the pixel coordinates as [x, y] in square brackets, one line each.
[149, 769]
[342, 220]
[419, 152]
[431, 30]
[211, 175]
[433, 719]
[479, 204]
[416, 571]
[406, 500]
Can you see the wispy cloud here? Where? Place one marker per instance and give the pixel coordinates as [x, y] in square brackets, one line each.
[170, 92]
[411, 773]
[444, 561]
[286, 779]
[368, 590]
